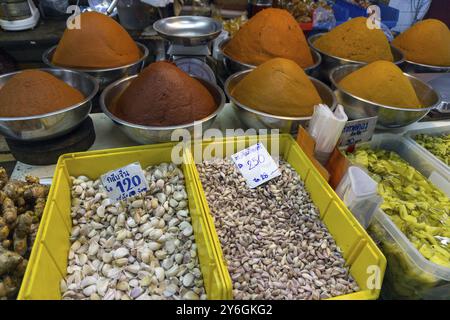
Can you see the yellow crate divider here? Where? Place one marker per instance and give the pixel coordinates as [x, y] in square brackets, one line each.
[342, 230]
[45, 284]
[48, 263]
[217, 285]
[55, 236]
[64, 202]
[323, 199]
[335, 216]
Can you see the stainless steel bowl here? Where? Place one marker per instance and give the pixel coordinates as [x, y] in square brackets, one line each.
[261, 120]
[188, 30]
[104, 76]
[54, 124]
[152, 134]
[330, 62]
[233, 66]
[414, 67]
[388, 117]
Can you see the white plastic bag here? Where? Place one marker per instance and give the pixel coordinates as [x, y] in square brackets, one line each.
[325, 128]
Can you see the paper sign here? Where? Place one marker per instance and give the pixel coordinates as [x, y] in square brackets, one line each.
[125, 182]
[356, 131]
[256, 165]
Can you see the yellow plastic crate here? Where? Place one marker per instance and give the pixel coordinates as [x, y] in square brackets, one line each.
[48, 261]
[359, 251]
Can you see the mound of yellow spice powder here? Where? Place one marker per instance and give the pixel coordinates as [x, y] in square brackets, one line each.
[382, 82]
[426, 42]
[353, 40]
[279, 87]
[271, 33]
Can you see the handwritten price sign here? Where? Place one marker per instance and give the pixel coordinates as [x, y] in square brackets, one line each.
[125, 182]
[256, 165]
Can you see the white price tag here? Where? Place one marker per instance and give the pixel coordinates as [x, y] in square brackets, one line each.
[256, 165]
[125, 182]
[356, 131]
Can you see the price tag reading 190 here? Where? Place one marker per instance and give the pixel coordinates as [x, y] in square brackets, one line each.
[125, 182]
[256, 165]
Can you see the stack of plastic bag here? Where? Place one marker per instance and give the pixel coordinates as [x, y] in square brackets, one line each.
[326, 128]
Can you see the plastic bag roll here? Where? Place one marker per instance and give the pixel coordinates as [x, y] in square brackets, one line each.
[325, 128]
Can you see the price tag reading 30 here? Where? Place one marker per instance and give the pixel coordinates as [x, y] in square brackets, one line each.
[256, 165]
[125, 182]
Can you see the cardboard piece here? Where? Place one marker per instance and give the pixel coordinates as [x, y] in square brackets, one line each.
[337, 166]
[307, 143]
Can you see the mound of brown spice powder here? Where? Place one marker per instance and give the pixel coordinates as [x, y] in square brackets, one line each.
[164, 95]
[35, 92]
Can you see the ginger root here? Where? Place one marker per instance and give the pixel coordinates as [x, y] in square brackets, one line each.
[35, 192]
[9, 211]
[4, 229]
[8, 287]
[8, 261]
[39, 207]
[22, 204]
[23, 229]
[3, 177]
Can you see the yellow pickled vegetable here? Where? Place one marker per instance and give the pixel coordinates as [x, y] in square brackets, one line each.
[419, 209]
[437, 145]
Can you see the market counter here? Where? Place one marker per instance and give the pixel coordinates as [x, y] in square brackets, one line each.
[109, 136]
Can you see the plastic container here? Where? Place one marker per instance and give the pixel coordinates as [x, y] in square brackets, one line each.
[359, 250]
[359, 193]
[48, 261]
[409, 136]
[409, 275]
[344, 11]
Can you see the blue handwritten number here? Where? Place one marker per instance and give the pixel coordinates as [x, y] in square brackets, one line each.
[119, 185]
[254, 162]
[127, 183]
[136, 180]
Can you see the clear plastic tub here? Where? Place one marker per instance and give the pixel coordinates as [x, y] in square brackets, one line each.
[409, 136]
[409, 275]
[359, 193]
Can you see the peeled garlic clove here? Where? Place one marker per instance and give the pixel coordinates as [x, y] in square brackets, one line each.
[160, 274]
[188, 280]
[88, 291]
[121, 253]
[190, 295]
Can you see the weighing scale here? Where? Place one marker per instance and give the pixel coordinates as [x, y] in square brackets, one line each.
[17, 15]
[190, 40]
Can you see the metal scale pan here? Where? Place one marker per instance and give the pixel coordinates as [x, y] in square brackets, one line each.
[189, 38]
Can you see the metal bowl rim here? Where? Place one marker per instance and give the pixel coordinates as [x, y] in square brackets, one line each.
[46, 115]
[318, 35]
[333, 81]
[205, 35]
[246, 108]
[251, 66]
[47, 52]
[157, 128]
[427, 65]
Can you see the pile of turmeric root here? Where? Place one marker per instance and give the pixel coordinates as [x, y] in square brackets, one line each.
[21, 204]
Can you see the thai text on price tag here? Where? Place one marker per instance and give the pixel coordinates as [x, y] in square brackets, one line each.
[356, 131]
[125, 182]
[256, 165]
